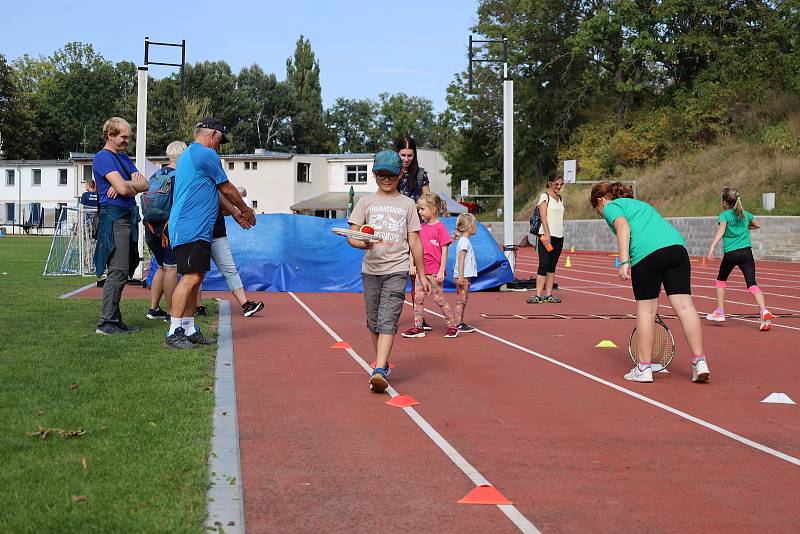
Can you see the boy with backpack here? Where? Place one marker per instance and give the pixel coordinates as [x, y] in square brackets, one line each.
[156, 207]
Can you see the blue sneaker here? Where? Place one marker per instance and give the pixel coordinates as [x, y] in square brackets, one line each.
[378, 382]
[387, 371]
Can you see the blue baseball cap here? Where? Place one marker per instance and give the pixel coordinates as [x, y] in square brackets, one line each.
[387, 160]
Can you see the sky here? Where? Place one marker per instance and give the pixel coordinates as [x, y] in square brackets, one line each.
[364, 48]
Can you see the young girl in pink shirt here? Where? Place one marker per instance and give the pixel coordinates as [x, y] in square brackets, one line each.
[435, 240]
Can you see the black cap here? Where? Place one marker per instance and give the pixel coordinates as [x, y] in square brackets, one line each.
[214, 124]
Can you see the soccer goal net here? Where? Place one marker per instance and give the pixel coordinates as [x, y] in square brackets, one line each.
[72, 250]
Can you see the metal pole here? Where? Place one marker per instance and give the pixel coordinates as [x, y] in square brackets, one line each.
[469, 63]
[183, 62]
[508, 166]
[141, 147]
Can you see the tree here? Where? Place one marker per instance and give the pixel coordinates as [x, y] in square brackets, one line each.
[353, 125]
[265, 105]
[17, 122]
[402, 115]
[308, 132]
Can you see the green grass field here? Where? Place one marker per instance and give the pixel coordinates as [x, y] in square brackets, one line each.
[141, 463]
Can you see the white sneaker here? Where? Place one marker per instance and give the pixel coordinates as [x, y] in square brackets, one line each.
[766, 321]
[714, 316]
[640, 376]
[700, 372]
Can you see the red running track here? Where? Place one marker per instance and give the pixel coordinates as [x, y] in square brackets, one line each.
[321, 453]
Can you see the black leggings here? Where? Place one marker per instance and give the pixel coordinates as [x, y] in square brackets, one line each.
[743, 258]
[549, 260]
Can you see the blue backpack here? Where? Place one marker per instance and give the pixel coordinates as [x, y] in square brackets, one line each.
[157, 201]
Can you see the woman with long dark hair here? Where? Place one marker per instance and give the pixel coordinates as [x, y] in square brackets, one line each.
[413, 178]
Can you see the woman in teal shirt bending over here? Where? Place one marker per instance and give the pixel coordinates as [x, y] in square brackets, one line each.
[654, 253]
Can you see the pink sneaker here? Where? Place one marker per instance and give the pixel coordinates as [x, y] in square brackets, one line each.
[717, 316]
[766, 321]
[414, 332]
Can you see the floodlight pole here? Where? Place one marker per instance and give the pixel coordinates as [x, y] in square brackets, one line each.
[141, 123]
[509, 247]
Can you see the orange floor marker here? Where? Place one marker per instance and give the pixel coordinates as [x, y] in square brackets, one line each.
[484, 494]
[373, 364]
[342, 345]
[402, 401]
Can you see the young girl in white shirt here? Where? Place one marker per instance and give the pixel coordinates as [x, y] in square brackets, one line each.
[466, 267]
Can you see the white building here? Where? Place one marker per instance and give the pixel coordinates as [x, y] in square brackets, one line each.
[32, 192]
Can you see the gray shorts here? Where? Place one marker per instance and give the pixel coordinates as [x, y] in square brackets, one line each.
[383, 296]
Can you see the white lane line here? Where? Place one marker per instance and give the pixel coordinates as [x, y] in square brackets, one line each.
[732, 435]
[224, 500]
[695, 276]
[79, 290]
[615, 286]
[511, 511]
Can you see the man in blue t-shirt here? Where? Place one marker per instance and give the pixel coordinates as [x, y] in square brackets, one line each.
[118, 182]
[199, 179]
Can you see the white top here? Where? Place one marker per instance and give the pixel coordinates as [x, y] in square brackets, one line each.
[555, 215]
[470, 265]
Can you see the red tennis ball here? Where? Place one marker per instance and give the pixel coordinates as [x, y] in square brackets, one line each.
[367, 229]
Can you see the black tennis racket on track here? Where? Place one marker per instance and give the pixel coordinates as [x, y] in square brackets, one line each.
[663, 346]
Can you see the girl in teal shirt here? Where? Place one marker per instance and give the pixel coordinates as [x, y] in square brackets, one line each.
[735, 224]
[654, 253]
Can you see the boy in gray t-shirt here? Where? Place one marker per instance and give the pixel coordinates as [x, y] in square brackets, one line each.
[384, 271]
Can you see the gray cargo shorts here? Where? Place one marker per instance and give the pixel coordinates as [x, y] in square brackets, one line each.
[383, 296]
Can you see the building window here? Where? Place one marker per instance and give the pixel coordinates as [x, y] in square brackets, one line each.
[356, 174]
[255, 204]
[10, 177]
[247, 165]
[36, 177]
[230, 165]
[87, 173]
[255, 165]
[303, 172]
[10, 212]
[62, 176]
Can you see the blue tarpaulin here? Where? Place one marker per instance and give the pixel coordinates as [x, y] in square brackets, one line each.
[300, 253]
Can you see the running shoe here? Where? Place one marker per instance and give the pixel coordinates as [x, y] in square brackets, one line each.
[552, 299]
[199, 339]
[111, 329]
[178, 340]
[717, 316]
[200, 311]
[378, 382]
[700, 371]
[464, 328]
[156, 314]
[637, 375]
[452, 331]
[251, 308]
[130, 328]
[387, 371]
[414, 332]
[536, 299]
[766, 321]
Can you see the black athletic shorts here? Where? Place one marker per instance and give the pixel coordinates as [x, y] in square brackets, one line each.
[194, 257]
[669, 266]
[743, 258]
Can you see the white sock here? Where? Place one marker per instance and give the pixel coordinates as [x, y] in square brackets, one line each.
[174, 323]
[187, 323]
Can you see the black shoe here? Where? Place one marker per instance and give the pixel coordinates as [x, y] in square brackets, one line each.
[425, 325]
[110, 329]
[167, 318]
[251, 308]
[178, 340]
[157, 314]
[465, 328]
[130, 328]
[199, 339]
[201, 311]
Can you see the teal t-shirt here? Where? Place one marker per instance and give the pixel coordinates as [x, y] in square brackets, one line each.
[737, 233]
[649, 230]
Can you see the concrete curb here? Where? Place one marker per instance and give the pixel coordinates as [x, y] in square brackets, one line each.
[224, 500]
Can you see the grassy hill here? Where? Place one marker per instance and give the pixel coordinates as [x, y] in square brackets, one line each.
[690, 184]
